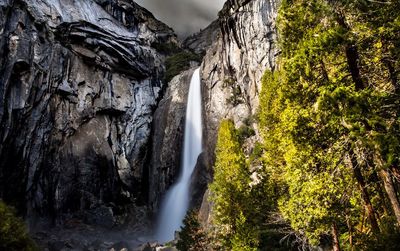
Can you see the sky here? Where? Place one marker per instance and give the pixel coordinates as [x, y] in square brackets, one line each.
[184, 16]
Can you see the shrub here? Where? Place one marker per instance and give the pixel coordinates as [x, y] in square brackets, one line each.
[244, 132]
[166, 48]
[178, 63]
[236, 97]
[13, 232]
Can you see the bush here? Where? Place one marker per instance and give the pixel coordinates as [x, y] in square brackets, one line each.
[178, 63]
[244, 132]
[166, 48]
[236, 97]
[13, 232]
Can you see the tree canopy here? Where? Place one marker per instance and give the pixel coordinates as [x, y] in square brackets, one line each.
[330, 126]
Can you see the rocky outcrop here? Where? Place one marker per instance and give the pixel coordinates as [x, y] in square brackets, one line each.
[167, 137]
[79, 83]
[201, 41]
[233, 67]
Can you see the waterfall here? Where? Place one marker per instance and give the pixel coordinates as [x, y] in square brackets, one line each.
[176, 201]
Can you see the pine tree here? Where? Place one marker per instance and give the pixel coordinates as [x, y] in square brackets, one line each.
[329, 118]
[231, 192]
[192, 237]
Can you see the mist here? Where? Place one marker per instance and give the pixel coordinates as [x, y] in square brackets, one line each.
[184, 16]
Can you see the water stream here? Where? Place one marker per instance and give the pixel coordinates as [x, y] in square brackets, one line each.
[176, 201]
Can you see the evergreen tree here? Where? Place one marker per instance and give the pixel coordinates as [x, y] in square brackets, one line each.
[329, 117]
[231, 192]
[192, 237]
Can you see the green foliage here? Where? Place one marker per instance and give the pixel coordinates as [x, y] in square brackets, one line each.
[245, 132]
[166, 48]
[178, 63]
[192, 237]
[236, 97]
[257, 152]
[13, 233]
[229, 82]
[231, 192]
[329, 121]
[333, 96]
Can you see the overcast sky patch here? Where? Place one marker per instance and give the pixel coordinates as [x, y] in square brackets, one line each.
[184, 16]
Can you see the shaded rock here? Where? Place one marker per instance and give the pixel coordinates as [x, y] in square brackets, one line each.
[79, 82]
[205, 210]
[201, 41]
[121, 246]
[56, 245]
[101, 216]
[147, 247]
[167, 137]
[201, 177]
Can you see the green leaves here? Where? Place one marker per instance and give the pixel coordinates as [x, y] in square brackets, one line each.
[13, 233]
[178, 63]
[336, 87]
[239, 205]
[192, 237]
[329, 120]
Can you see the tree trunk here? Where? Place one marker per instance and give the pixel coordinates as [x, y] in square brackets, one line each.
[391, 192]
[396, 173]
[352, 55]
[350, 232]
[381, 191]
[352, 62]
[335, 236]
[389, 185]
[364, 192]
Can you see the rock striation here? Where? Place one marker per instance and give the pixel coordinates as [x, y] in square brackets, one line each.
[79, 83]
[89, 128]
[232, 70]
[201, 41]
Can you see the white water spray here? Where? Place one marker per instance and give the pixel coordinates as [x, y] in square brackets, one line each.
[176, 201]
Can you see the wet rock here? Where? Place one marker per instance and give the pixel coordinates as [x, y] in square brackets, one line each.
[167, 137]
[200, 179]
[121, 246]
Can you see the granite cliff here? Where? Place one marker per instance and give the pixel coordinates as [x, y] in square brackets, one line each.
[232, 70]
[79, 82]
[87, 122]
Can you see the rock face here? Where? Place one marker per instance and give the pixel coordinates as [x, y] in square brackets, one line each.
[79, 83]
[201, 41]
[167, 137]
[233, 67]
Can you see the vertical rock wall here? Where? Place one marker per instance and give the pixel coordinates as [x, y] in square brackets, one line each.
[167, 137]
[233, 67]
[79, 83]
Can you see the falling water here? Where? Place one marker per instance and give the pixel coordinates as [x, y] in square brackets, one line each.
[176, 201]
